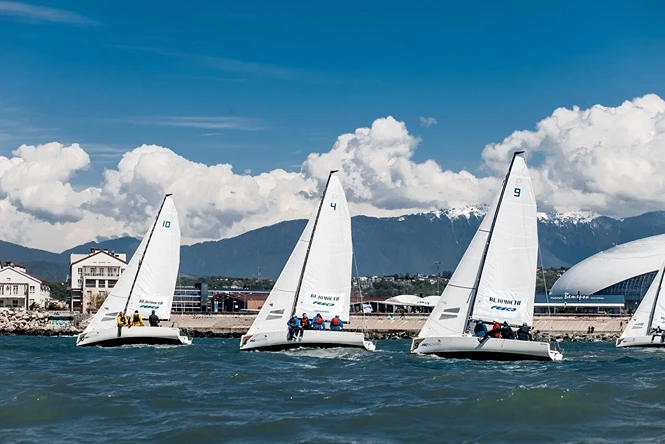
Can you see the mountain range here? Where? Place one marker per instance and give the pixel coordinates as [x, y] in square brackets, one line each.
[410, 243]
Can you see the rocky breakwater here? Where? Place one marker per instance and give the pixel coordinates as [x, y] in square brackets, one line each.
[575, 337]
[32, 323]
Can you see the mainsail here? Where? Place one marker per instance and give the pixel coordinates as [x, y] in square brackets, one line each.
[148, 282]
[496, 277]
[651, 311]
[320, 266]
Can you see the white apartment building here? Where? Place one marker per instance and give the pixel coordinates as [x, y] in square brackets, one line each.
[20, 290]
[94, 274]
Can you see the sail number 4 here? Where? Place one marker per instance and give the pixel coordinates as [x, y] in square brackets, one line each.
[166, 224]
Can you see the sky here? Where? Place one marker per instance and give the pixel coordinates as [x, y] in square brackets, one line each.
[240, 109]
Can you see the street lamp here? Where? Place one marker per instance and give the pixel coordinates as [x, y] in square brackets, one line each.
[438, 276]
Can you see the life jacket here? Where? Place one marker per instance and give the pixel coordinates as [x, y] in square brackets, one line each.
[137, 319]
[335, 322]
[318, 320]
[122, 320]
[304, 322]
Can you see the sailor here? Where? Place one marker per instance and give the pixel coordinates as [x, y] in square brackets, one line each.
[304, 324]
[294, 326]
[495, 331]
[153, 319]
[524, 333]
[121, 320]
[336, 323]
[136, 320]
[480, 330]
[506, 331]
[318, 323]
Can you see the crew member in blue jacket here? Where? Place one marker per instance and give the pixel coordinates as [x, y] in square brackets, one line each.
[318, 323]
[294, 326]
[480, 330]
[336, 323]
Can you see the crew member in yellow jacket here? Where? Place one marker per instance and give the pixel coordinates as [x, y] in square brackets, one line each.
[136, 320]
[122, 321]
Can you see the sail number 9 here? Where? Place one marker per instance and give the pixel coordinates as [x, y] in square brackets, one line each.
[517, 192]
[166, 224]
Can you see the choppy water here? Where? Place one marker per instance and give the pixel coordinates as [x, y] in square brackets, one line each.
[52, 391]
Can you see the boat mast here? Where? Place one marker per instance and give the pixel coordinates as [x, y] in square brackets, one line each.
[476, 284]
[147, 244]
[655, 299]
[309, 246]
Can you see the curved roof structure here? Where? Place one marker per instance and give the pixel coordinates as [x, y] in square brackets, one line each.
[612, 266]
[411, 300]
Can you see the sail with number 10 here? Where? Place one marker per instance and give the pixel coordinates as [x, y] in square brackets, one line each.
[147, 284]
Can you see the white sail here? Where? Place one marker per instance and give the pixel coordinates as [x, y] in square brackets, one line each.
[507, 286]
[639, 322]
[450, 314]
[506, 289]
[161, 266]
[277, 308]
[327, 277]
[326, 284]
[155, 285]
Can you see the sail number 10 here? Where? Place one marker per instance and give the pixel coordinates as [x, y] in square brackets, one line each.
[166, 224]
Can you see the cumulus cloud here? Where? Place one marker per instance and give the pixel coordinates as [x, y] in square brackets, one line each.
[603, 159]
[427, 121]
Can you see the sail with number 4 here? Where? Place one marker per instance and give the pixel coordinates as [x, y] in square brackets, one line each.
[317, 277]
[148, 282]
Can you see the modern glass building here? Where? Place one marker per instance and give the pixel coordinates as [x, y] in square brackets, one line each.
[627, 269]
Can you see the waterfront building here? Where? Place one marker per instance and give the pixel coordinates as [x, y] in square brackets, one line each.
[92, 276]
[18, 289]
[625, 270]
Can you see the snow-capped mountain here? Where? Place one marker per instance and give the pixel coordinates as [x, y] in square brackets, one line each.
[410, 243]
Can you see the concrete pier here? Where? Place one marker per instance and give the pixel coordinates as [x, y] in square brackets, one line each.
[410, 325]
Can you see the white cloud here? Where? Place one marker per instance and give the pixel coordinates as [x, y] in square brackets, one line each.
[606, 160]
[603, 159]
[427, 121]
[33, 13]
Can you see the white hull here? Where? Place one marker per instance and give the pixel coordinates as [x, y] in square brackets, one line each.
[108, 337]
[468, 347]
[276, 340]
[640, 341]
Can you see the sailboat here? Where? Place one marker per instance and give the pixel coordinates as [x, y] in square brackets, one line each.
[494, 281]
[315, 280]
[147, 284]
[650, 315]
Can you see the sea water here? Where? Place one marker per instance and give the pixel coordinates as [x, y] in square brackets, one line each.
[52, 391]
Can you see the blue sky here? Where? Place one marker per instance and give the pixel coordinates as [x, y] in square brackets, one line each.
[260, 84]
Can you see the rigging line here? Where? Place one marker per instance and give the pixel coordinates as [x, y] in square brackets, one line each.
[360, 293]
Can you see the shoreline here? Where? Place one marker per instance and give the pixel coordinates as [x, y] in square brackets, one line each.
[376, 327]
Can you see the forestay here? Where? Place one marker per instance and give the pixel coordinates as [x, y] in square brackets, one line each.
[160, 267]
[508, 281]
[449, 316]
[326, 285]
[652, 301]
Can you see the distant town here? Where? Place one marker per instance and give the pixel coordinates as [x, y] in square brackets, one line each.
[93, 275]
